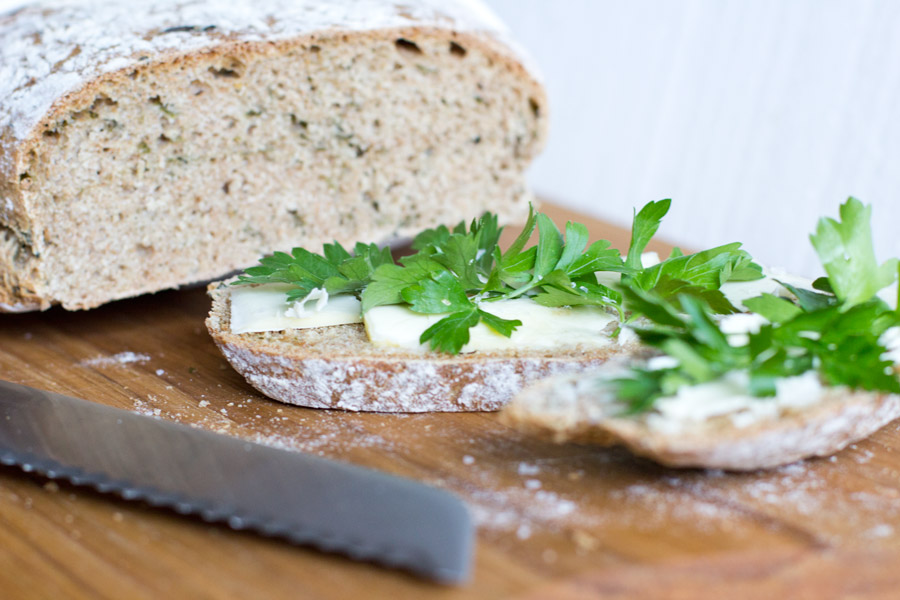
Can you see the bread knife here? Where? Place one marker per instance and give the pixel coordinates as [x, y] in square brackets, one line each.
[308, 500]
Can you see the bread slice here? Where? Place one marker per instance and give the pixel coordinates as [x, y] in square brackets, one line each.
[337, 367]
[574, 408]
[147, 145]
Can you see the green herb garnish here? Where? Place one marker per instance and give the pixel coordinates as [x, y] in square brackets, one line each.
[453, 272]
[335, 270]
[848, 256]
[834, 330]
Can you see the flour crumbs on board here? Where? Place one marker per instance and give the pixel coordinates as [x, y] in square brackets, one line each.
[565, 501]
[550, 493]
[116, 360]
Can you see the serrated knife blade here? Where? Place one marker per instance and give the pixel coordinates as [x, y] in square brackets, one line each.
[308, 500]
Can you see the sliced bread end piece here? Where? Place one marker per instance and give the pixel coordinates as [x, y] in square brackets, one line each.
[571, 408]
[337, 367]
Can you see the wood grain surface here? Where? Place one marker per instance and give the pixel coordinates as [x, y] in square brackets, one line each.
[555, 521]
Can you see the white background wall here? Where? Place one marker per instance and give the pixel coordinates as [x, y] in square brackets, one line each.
[754, 116]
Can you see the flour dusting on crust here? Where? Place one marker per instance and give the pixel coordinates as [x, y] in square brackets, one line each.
[413, 385]
[50, 50]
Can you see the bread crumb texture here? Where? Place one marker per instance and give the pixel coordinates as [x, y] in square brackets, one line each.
[337, 367]
[145, 146]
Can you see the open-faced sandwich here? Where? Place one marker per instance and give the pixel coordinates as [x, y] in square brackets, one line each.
[460, 324]
[796, 376]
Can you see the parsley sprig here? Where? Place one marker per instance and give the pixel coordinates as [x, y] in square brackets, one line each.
[457, 272]
[834, 329]
[335, 270]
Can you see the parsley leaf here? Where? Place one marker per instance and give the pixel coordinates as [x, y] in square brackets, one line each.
[514, 253]
[303, 269]
[848, 255]
[435, 237]
[708, 269]
[773, 308]
[335, 253]
[598, 257]
[516, 271]
[563, 270]
[335, 270]
[389, 281]
[358, 269]
[643, 228]
[468, 254]
[856, 359]
[442, 293]
[549, 249]
[808, 299]
[515, 265]
[451, 333]
[501, 326]
[576, 241]
[581, 294]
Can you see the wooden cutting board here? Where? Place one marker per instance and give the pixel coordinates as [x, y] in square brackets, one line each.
[554, 521]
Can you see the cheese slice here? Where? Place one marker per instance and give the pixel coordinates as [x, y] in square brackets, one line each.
[738, 291]
[729, 396]
[262, 308]
[543, 328]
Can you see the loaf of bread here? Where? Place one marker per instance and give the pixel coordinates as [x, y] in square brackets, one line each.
[577, 409]
[148, 145]
[337, 367]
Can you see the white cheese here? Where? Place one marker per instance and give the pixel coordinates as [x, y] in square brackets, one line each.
[729, 396]
[650, 259]
[798, 391]
[738, 327]
[738, 291]
[702, 401]
[890, 339]
[627, 336]
[889, 295]
[664, 361]
[298, 309]
[265, 308]
[542, 327]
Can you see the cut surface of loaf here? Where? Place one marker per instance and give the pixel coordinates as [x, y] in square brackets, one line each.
[161, 143]
[337, 367]
[574, 408]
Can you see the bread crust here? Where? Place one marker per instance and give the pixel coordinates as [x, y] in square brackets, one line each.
[337, 368]
[567, 411]
[23, 278]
